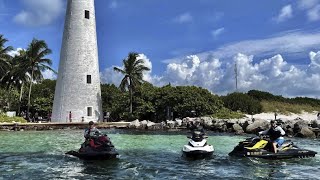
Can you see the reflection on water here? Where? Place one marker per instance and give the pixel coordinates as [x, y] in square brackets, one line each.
[143, 155]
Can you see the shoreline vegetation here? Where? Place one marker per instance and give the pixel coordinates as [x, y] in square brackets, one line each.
[303, 125]
[24, 91]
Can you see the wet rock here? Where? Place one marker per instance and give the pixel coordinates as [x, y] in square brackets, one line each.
[171, 124]
[314, 124]
[257, 124]
[306, 132]
[134, 124]
[178, 122]
[237, 129]
[207, 122]
[143, 124]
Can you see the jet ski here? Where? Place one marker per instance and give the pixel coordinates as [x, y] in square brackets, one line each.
[261, 147]
[197, 147]
[96, 148]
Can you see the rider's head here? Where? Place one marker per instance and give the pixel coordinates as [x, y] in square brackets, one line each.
[273, 123]
[91, 123]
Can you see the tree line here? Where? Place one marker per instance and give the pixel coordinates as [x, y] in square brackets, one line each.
[22, 88]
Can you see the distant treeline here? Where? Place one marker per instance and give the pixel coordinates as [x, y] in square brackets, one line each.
[157, 103]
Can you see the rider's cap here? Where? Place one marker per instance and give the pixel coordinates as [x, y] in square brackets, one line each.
[91, 123]
[273, 121]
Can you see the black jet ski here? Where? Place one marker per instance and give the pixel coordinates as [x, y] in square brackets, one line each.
[197, 147]
[261, 147]
[103, 149]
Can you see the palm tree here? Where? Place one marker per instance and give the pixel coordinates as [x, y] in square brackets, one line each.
[133, 74]
[4, 57]
[35, 62]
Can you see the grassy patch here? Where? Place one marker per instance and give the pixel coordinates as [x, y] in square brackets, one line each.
[225, 113]
[6, 119]
[287, 108]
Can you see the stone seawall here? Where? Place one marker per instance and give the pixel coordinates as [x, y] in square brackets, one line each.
[293, 128]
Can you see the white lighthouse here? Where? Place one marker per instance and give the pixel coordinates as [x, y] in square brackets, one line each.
[78, 95]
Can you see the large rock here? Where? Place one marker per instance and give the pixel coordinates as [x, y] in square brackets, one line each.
[150, 123]
[237, 129]
[178, 122]
[306, 132]
[171, 124]
[207, 122]
[143, 124]
[134, 124]
[257, 124]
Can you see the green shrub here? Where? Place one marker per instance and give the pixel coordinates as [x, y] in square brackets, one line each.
[225, 113]
[286, 108]
[6, 119]
[242, 102]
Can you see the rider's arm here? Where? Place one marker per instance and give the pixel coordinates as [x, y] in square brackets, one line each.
[85, 133]
[264, 132]
[278, 128]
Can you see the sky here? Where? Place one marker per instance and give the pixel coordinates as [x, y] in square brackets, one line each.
[275, 44]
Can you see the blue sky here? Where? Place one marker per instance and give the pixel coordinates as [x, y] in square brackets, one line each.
[275, 43]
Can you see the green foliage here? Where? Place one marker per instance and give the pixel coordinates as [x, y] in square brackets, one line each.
[144, 98]
[287, 108]
[260, 95]
[9, 99]
[6, 119]
[114, 101]
[266, 96]
[225, 113]
[156, 104]
[242, 102]
[133, 74]
[185, 101]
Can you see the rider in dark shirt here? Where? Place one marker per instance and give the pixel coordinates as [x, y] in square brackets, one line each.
[276, 134]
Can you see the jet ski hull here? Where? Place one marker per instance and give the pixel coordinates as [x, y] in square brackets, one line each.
[257, 148]
[198, 154]
[103, 155]
[301, 153]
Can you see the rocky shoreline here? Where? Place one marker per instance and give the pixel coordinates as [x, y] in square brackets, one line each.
[294, 128]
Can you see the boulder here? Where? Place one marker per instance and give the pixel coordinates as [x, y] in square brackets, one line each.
[257, 124]
[178, 122]
[306, 132]
[134, 124]
[237, 129]
[314, 124]
[150, 123]
[171, 124]
[207, 122]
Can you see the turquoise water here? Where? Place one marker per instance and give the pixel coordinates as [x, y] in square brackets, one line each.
[143, 155]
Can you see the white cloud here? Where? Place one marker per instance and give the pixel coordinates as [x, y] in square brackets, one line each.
[285, 13]
[37, 13]
[314, 13]
[183, 18]
[296, 43]
[15, 52]
[307, 4]
[273, 74]
[215, 33]
[47, 74]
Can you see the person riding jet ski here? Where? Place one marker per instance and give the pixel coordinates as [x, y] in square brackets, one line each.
[197, 146]
[96, 145]
[276, 134]
[91, 134]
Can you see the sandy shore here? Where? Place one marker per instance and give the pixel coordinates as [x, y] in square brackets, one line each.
[292, 116]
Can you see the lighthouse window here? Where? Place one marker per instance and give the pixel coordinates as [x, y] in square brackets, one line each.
[88, 79]
[86, 14]
[89, 111]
